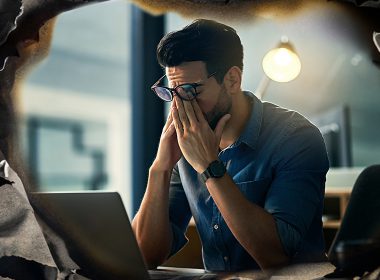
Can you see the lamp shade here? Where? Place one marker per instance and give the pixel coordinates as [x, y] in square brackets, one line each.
[282, 63]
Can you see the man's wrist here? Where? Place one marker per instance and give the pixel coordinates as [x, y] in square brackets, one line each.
[206, 164]
[156, 167]
[215, 169]
[157, 173]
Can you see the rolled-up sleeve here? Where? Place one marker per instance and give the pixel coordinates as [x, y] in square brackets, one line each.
[179, 212]
[297, 190]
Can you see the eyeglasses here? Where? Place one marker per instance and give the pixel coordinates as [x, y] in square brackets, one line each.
[186, 91]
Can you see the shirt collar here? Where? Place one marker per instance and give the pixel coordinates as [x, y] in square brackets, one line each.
[251, 132]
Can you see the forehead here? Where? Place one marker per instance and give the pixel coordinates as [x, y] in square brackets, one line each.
[186, 72]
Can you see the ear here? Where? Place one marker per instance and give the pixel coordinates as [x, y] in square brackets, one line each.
[232, 80]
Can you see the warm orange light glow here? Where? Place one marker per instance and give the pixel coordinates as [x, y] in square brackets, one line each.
[281, 65]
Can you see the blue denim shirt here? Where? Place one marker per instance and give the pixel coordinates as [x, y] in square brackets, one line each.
[279, 163]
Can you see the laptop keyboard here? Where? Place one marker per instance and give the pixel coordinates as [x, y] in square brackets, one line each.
[174, 275]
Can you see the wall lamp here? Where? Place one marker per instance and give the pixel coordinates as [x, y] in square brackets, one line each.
[280, 64]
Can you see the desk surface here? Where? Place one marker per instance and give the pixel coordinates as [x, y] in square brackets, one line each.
[299, 271]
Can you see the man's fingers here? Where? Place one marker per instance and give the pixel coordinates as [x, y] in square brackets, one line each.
[188, 106]
[169, 121]
[197, 110]
[181, 112]
[171, 129]
[177, 122]
[220, 126]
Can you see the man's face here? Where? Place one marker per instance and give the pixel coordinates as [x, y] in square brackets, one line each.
[213, 98]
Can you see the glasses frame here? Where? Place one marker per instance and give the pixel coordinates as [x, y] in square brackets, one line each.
[173, 91]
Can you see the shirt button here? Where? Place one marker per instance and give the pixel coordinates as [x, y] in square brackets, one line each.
[216, 226]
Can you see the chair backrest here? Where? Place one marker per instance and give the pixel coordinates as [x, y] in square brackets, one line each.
[359, 235]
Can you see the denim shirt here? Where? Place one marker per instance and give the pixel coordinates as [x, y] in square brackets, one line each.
[279, 163]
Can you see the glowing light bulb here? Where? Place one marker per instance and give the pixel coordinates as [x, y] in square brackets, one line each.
[281, 65]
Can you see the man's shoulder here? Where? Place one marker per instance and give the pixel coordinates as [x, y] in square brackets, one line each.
[283, 119]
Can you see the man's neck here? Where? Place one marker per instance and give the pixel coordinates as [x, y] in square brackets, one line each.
[240, 114]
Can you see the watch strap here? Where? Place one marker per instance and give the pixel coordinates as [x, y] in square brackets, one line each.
[208, 172]
[205, 175]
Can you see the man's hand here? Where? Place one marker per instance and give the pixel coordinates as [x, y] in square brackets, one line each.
[198, 142]
[168, 152]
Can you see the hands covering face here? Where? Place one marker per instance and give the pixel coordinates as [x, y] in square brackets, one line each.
[168, 152]
[198, 142]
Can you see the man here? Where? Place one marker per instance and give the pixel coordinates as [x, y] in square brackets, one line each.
[251, 174]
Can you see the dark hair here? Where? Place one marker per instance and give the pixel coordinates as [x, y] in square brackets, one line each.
[209, 41]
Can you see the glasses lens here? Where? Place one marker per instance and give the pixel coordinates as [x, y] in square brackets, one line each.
[186, 92]
[163, 93]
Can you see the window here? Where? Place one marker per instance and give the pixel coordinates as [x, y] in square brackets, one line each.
[75, 104]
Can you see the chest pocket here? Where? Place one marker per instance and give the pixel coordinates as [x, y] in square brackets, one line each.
[255, 191]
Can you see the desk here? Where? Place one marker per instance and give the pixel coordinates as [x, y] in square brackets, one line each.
[342, 194]
[339, 184]
[298, 271]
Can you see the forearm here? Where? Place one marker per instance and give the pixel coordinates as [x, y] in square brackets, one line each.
[252, 226]
[151, 224]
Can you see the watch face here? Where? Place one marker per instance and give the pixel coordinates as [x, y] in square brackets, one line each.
[217, 169]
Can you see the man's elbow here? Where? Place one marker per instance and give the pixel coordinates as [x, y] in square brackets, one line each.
[153, 260]
[152, 254]
[275, 260]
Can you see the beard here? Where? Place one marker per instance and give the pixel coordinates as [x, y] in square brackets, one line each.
[221, 108]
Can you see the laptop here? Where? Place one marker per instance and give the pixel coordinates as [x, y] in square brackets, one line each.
[98, 234]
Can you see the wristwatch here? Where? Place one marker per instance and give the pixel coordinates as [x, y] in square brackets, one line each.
[216, 169]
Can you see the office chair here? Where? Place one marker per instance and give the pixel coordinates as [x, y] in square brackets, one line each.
[356, 247]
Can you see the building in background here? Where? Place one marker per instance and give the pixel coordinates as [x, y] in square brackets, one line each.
[76, 104]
